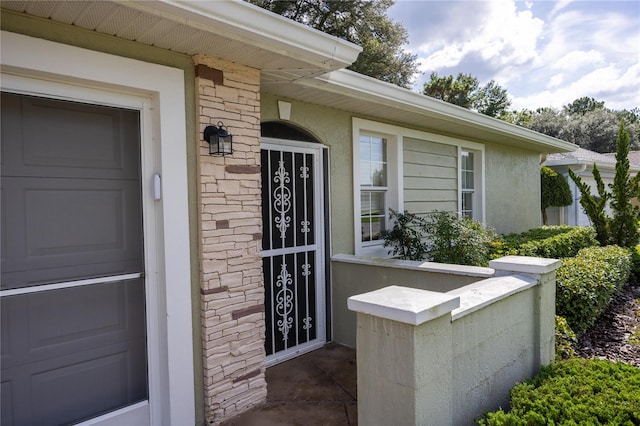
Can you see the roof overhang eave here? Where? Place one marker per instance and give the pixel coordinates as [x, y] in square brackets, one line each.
[348, 83]
[253, 25]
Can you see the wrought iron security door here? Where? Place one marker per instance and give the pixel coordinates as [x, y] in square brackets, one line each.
[293, 261]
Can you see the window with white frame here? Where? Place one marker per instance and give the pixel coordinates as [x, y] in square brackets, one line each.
[373, 188]
[467, 183]
[471, 175]
[377, 183]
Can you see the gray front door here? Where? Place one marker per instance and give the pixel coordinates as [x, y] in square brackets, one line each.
[73, 288]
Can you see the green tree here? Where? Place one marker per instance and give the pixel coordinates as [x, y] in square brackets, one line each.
[458, 91]
[520, 118]
[491, 100]
[548, 121]
[464, 90]
[594, 206]
[594, 130]
[622, 228]
[624, 225]
[585, 122]
[363, 22]
[555, 191]
[583, 105]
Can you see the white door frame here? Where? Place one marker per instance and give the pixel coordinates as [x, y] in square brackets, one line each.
[317, 150]
[42, 68]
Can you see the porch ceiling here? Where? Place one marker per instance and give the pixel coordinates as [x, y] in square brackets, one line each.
[234, 30]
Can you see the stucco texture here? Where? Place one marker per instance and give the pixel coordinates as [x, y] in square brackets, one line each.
[332, 128]
[512, 189]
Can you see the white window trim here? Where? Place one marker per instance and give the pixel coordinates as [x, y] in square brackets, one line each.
[478, 211]
[394, 179]
[395, 137]
[44, 68]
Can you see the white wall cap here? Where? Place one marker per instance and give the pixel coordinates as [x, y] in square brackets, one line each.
[403, 304]
[416, 265]
[525, 264]
[476, 296]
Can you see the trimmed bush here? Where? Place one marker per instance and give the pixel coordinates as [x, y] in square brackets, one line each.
[405, 237]
[572, 392]
[554, 242]
[635, 265]
[461, 241]
[566, 339]
[586, 283]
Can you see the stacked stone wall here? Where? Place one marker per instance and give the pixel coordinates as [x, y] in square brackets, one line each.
[230, 223]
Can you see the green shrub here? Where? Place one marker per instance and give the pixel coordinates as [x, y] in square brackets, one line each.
[405, 237]
[553, 242]
[555, 191]
[566, 339]
[574, 392]
[635, 264]
[586, 283]
[456, 240]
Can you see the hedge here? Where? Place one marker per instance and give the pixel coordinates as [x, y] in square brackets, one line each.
[572, 392]
[566, 339]
[553, 242]
[586, 283]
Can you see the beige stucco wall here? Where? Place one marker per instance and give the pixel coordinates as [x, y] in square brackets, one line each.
[352, 275]
[512, 189]
[434, 358]
[512, 175]
[332, 128]
[74, 36]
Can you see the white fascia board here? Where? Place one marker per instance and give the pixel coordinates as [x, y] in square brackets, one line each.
[243, 21]
[369, 89]
[589, 165]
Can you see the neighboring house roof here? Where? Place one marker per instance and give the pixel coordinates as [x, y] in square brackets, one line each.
[634, 157]
[285, 52]
[585, 157]
[579, 156]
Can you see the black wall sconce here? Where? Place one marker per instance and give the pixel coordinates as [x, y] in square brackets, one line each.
[219, 139]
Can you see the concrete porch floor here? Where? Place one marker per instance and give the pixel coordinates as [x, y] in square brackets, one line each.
[317, 388]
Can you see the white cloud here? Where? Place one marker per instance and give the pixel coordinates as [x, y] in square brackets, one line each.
[559, 5]
[503, 36]
[623, 86]
[543, 53]
[577, 59]
[556, 80]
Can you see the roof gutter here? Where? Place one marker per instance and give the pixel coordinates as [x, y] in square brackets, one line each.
[371, 90]
[256, 26]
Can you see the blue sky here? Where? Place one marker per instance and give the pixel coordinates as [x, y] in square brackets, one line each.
[545, 53]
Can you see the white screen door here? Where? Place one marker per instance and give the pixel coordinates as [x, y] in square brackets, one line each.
[293, 250]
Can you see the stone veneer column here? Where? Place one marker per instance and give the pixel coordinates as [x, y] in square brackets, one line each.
[230, 224]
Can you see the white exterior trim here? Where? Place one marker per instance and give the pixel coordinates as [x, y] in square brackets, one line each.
[43, 68]
[395, 178]
[352, 85]
[316, 150]
[245, 22]
[395, 136]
